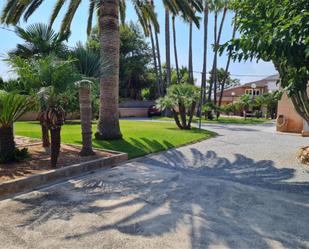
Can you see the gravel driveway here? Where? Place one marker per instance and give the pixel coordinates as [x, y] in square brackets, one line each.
[242, 189]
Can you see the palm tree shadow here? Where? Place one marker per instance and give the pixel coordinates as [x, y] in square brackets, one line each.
[172, 192]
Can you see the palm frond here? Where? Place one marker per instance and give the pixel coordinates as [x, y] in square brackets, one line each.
[59, 4]
[67, 20]
[32, 8]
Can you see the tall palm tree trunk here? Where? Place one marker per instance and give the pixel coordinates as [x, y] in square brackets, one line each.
[154, 57]
[175, 50]
[190, 64]
[204, 73]
[108, 126]
[159, 64]
[213, 66]
[167, 47]
[228, 62]
[7, 144]
[217, 42]
[86, 117]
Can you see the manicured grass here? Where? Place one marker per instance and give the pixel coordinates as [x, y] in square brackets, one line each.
[222, 120]
[139, 138]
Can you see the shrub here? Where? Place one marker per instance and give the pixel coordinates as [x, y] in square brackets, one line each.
[16, 156]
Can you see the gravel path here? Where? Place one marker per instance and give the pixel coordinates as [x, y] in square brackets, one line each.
[242, 189]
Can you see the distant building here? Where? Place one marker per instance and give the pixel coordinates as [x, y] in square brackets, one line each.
[254, 88]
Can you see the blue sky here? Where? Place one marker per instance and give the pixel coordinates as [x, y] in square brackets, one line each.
[8, 41]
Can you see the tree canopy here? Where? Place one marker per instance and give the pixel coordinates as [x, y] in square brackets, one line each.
[277, 31]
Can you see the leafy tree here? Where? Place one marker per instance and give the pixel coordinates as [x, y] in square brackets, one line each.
[182, 77]
[135, 57]
[12, 107]
[181, 99]
[224, 80]
[277, 31]
[245, 101]
[269, 101]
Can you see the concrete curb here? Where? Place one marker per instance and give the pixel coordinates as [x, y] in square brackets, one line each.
[41, 179]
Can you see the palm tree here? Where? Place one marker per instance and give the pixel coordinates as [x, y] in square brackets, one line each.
[190, 64]
[175, 6]
[228, 60]
[181, 99]
[53, 115]
[40, 41]
[108, 16]
[175, 49]
[85, 116]
[108, 13]
[89, 65]
[43, 72]
[167, 46]
[203, 85]
[195, 5]
[216, 6]
[12, 107]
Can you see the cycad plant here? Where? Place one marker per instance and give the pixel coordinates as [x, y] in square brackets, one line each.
[12, 107]
[181, 99]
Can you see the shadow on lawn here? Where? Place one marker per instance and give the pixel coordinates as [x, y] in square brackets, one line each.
[153, 197]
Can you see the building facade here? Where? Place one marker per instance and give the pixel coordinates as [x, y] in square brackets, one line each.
[254, 88]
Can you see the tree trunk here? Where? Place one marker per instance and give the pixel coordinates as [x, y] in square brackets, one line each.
[153, 46]
[204, 74]
[55, 145]
[45, 136]
[167, 47]
[159, 64]
[7, 144]
[228, 62]
[108, 126]
[191, 115]
[214, 67]
[176, 118]
[214, 72]
[175, 50]
[183, 114]
[190, 63]
[86, 117]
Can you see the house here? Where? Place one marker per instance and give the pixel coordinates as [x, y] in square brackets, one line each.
[254, 88]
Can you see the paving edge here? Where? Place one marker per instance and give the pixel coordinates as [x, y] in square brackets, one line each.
[41, 179]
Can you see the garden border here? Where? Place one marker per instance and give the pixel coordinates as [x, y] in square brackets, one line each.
[39, 180]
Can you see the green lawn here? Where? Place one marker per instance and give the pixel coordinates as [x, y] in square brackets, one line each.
[139, 138]
[222, 120]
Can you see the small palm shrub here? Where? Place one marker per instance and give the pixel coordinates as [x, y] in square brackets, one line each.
[181, 99]
[53, 116]
[12, 107]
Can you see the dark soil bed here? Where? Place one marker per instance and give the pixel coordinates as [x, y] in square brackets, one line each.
[39, 160]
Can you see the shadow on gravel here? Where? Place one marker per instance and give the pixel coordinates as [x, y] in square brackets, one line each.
[149, 200]
[244, 170]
